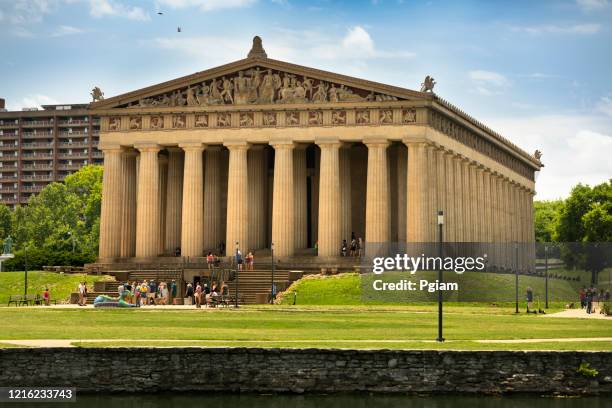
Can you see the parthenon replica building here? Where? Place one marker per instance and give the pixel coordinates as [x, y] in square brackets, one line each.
[261, 151]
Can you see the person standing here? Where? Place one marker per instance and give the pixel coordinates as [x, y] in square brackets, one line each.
[198, 295]
[239, 259]
[189, 293]
[173, 291]
[529, 298]
[46, 297]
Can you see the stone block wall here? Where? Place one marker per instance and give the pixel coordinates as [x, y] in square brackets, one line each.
[305, 370]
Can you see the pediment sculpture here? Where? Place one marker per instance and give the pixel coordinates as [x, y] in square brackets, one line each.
[260, 86]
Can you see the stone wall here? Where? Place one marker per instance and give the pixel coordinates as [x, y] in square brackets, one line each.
[305, 370]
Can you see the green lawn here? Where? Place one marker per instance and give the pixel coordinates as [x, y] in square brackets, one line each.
[411, 345]
[373, 326]
[493, 288]
[60, 285]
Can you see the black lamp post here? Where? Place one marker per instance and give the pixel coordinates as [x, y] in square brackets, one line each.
[546, 276]
[272, 283]
[516, 276]
[440, 274]
[237, 277]
[25, 269]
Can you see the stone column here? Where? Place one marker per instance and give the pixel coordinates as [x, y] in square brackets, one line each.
[314, 199]
[237, 199]
[377, 193]
[192, 226]
[459, 202]
[480, 205]
[283, 201]
[442, 195]
[450, 217]
[402, 175]
[163, 189]
[345, 192]
[329, 218]
[416, 191]
[258, 195]
[128, 214]
[300, 180]
[111, 212]
[213, 214]
[467, 213]
[487, 213]
[473, 203]
[431, 215]
[148, 210]
[174, 204]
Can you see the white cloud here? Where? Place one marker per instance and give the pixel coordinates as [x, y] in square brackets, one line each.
[33, 101]
[605, 105]
[576, 149]
[308, 47]
[589, 5]
[489, 77]
[487, 83]
[66, 30]
[209, 5]
[580, 29]
[103, 8]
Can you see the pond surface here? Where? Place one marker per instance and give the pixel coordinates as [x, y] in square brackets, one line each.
[203, 399]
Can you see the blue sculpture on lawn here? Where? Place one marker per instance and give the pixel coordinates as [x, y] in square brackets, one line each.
[107, 301]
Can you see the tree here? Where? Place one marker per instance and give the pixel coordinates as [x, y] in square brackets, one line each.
[6, 220]
[546, 219]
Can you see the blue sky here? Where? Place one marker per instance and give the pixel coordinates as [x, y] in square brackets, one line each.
[536, 71]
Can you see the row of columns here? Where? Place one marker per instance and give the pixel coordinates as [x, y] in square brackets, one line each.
[165, 208]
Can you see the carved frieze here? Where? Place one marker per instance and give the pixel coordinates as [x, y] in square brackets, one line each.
[338, 118]
[179, 121]
[114, 123]
[247, 119]
[269, 118]
[224, 119]
[157, 122]
[292, 118]
[409, 115]
[315, 118]
[201, 120]
[259, 85]
[362, 117]
[386, 116]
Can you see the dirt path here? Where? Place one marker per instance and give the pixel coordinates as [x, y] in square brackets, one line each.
[72, 342]
[579, 314]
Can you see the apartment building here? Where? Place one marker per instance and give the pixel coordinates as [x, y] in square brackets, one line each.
[39, 146]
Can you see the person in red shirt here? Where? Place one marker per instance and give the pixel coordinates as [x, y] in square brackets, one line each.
[46, 297]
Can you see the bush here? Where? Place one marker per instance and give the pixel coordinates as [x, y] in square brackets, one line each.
[37, 258]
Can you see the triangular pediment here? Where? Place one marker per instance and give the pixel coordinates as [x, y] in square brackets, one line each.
[253, 81]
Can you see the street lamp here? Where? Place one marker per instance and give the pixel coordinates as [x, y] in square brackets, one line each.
[272, 283]
[546, 275]
[237, 274]
[440, 275]
[516, 276]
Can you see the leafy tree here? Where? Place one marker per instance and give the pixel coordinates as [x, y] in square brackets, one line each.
[546, 219]
[6, 220]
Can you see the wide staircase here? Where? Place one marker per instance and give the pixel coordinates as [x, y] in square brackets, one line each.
[254, 286]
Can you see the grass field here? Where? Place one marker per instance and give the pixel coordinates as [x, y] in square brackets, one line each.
[60, 285]
[316, 326]
[355, 289]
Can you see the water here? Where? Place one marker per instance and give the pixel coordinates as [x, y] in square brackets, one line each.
[202, 399]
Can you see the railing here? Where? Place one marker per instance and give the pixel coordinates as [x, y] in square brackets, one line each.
[70, 166]
[97, 154]
[5, 178]
[32, 188]
[41, 178]
[26, 145]
[73, 122]
[38, 155]
[75, 155]
[8, 190]
[38, 166]
[9, 136]
[8, 125]
[38, 135]
[37, 123]
[74, 144]
[68, 134]
[9, 147]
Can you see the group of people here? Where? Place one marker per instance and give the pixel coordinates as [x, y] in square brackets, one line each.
[244, 262]
[203, 294]
[354, 248]
[591, 297]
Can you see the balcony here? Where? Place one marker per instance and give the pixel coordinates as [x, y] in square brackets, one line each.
[9, 136]
[9, 125]
[74, 155]
[7, 179]
[37, 156]
[73, 144]
[32, 188]
[45, 177]
[9, 147]
[5, 167]
[37, 166]
[73, 134]
[37, 135]
[37, 145]
[36, 123]
[74, 166]
[97, 153]
[8, 201]
[75, 122]
[8, 190]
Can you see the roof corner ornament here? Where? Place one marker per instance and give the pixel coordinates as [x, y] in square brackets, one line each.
[257, 50]
[428, 84]
[97, 94]
[537, 154]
